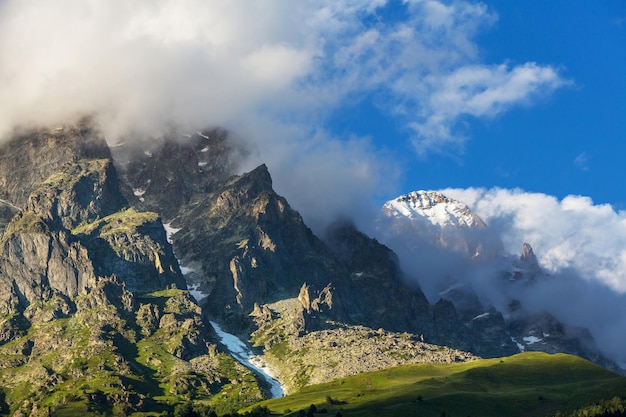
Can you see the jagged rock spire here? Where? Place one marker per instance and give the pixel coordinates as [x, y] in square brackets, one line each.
[529, 259]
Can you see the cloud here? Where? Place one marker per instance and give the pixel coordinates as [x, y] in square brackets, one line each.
[581, 245]
[264, 70]
[577, 301]
[478, 91]
[568, 234]
[580, 162]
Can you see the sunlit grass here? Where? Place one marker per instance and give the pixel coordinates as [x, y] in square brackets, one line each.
[528, 384]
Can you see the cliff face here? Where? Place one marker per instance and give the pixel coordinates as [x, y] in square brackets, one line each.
[250, 246]
[242, 245]
[94, 312]
[31, 157]
[75, 225]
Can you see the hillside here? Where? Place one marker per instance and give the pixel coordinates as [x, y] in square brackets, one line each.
[526, 384]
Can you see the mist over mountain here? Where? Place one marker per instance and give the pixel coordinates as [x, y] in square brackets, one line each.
[574, 272]
[273, 74]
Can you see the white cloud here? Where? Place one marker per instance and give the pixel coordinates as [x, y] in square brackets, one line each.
[581, 161]
[579, 244]
[283, 65]
[570, 234]
[198, 62]
[479, 91]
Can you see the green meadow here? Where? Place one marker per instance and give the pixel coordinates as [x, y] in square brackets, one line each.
[527, 384]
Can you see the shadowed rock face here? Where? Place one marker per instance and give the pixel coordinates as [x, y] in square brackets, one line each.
[168, 175]
[245, 246]
[77, 193]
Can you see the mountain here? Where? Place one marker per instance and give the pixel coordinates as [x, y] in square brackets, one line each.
[432, 206]
[429, 218]
[102, 244]
[94, 312]
[453, 233]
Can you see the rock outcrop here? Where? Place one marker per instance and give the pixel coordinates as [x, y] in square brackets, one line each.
[76, 226]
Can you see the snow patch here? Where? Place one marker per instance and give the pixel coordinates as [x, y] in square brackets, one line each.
[519, 345]
[452, 288]
[240, 351]
[205, 149]
[480, 316]
[170, 231]
[531, 340]
[185, 270]
[546, 335]
[201, 164]
[139, 192]
[148, 154]
[195, 293]
[202, 134]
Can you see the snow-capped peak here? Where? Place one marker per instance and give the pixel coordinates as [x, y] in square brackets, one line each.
[433, 206]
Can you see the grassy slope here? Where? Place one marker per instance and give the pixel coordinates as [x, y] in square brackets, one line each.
[527, 384]
[94, 361]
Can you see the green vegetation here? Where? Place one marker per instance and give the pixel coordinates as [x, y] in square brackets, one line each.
[527, 384]
[72, 172]
[615, 407]
[98, 360]
[121, 222]
[25, 222]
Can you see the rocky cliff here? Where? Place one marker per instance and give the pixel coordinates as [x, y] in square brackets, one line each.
[94, 312]
[242, 245]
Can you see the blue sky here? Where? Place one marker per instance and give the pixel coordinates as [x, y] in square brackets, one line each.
[571, 141]
[389, 95]
[347, 101]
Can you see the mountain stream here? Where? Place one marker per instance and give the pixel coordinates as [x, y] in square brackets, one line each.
[242, 353]
[237, 348]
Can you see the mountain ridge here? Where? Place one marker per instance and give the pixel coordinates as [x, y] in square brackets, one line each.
[84, 254]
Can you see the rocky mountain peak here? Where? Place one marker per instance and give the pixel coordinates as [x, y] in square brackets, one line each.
[32, 156]
[74, 226]
[527, 254]
[527, 267]
[170, 173]
[431, 219]
[434, 207]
